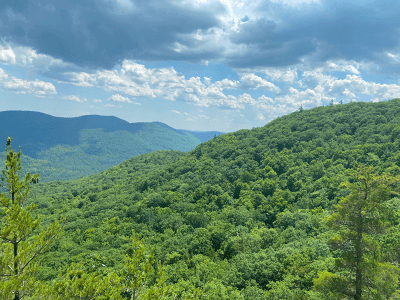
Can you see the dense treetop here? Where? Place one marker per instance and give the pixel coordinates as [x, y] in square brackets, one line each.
[240, 216]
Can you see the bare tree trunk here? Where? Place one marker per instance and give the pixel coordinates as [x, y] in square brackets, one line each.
[16, 297]
[358, 261]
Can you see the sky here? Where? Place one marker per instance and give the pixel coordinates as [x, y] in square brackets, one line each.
[221, 65]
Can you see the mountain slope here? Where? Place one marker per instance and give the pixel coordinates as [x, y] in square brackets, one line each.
[69, 148]
[240, 215]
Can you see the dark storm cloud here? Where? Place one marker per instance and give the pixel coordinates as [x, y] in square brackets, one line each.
[350, 30]
[99, 34]
[102, 33]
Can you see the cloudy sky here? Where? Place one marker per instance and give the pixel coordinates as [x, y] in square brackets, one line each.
[196, 64]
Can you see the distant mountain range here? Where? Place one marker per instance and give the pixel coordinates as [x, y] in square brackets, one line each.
[69, 148]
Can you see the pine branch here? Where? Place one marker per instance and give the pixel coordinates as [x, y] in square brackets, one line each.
[38, 252]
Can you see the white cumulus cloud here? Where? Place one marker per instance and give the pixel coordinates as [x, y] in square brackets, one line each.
[275, 74]
[7, 55]
[342, 67]
[252, 81]
[74, 98]
[29, 58]
[37, 87]
[119, 98]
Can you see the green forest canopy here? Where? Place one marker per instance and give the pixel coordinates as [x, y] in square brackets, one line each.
[240, 216]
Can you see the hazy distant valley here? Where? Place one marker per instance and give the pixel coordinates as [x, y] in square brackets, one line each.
[70, 148]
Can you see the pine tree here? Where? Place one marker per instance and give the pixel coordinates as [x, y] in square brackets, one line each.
[360, 273]
[20, 243]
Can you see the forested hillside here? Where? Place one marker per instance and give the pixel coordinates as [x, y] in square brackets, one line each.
[246, 215]
[70, 148]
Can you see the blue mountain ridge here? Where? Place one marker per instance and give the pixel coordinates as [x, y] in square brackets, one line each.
[36, 131]
[68, 148]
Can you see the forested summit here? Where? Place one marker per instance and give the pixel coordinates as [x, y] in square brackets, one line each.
[344, 126]
[244, 215]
